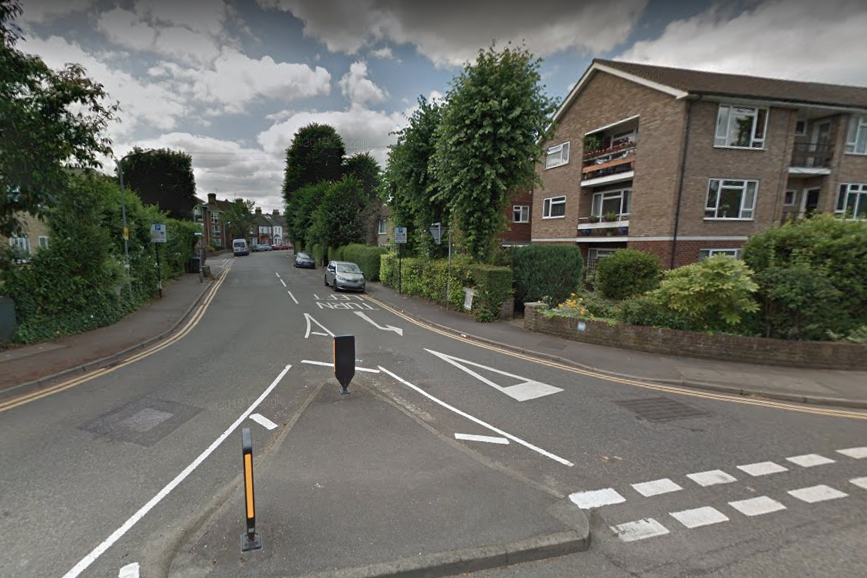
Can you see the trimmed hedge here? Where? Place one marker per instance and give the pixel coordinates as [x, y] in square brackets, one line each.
[368, 258]
[552, 271]
[626, 273]
[493, 286]
[317, 252]
[427, 279]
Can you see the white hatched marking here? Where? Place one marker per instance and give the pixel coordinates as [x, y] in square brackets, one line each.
[656, 487]
[757, 506]
[700, 517]
[711, 478]
[820, 493]
[639, 530]
[129, 571]
[486, 439]
[857, 453]
[860, 482]
[810, 460]
[762, 469]
[263, 421]
[596, 498]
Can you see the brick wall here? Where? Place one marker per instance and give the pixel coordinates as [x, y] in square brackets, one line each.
[808, 354]
[517, 232]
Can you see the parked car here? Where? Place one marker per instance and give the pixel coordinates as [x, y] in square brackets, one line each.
[305, 260]
[239, 247]
[344, 275]
[283, 247]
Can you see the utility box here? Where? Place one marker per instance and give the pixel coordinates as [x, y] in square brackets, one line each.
[8, 325]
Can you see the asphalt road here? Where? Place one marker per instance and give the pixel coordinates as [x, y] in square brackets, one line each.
[124, 468]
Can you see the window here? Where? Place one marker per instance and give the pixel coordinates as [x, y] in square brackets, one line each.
[801, 128]
[706, 253]
[611, 202]
[856, 137]
[728, 199]
[382, 227]
[43, 242]
[215, 230]
[789, 199]
[852, 201]
[197, 214]
[520, 214]
[741, 127]
[554, 208]
[623, 138]
[593, 256]
[215, 217]
[20, 249]
[557, 155]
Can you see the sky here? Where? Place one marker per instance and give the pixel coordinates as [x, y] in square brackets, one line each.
[230, 81]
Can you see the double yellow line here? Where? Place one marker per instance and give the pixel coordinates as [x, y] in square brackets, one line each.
[829, 412]
[190, 324]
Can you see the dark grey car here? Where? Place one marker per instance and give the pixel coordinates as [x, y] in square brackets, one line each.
[305, 260]
[344, 276]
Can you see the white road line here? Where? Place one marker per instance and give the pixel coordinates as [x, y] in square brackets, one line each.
[486, 439]
[278, 274]
[757, 506]
[699, 517]
[820, 493]
[397, 330]
[309, 318]
[133, 520]
[318, 333]
[263, 421]
[711, 478]
[596, 498]
[640, 530]
[762, 469]
[293, 297]
[129, 571]
[857, 453]
[860, 482]
[326, 364]
[656, 487]
[810, 460]
[515, 439]
[284, 282]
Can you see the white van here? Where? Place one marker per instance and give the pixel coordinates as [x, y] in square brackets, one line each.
[239, 247]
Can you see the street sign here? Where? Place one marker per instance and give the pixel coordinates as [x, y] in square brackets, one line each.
[400, 234]
[437, 231]
[158, 233]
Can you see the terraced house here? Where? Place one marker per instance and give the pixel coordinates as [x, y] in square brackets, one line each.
[687, 164]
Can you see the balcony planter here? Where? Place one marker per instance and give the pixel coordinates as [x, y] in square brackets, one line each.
[595, 218]
[610, 217]
[623, 230]
[586, 232]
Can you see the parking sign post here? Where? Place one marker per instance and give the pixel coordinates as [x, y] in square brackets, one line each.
[158, 236]
[400, 239]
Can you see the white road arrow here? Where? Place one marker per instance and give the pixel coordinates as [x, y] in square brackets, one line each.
[528, 389]
[309, 318]
[397, 330]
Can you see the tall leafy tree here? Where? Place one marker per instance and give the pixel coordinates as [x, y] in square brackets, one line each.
[50, 120]
[316, 154]
[162, 177]
[238, 218]
[489, 140]
[338, 217]
[300, 209]
[365, 168]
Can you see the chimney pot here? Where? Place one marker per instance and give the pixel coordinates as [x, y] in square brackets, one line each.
[212, 197]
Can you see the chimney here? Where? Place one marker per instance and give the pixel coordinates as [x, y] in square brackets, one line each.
[276, 213]
[258, 210]
[212, 198]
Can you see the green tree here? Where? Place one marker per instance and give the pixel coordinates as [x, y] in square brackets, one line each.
[49, 121]
[162, 177]
[315, 155]
[337, 220]
[365, 168]
[300, 210]
[490, 140]
[238, 218]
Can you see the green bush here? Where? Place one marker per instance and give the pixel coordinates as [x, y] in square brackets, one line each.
[367, 258]
[388, 269]
[598, 306]
[427, 279]
[627, 272]
[493, 286]
[647, 311]
[316, 250]
[546, 270]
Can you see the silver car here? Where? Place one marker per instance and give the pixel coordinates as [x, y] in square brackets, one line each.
[344, 275]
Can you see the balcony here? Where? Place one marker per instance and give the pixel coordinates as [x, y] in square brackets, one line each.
[609, 165]
[811, 159]
[609, 226]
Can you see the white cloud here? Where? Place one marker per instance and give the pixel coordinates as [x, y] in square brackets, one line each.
[384, 53]
[794, 39]
[358, 88]
[547, 26]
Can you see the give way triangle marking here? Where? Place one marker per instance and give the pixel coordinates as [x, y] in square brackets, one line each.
[528, 389]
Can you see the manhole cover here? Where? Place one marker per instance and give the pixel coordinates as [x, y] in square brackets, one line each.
[661, 409]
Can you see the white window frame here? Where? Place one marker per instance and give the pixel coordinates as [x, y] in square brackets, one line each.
[746, 211]
[594, 255]
[708, 253]
[21, 247]
[856, 190]
[562, 150]
[383, 227]
[857, 126]
[549, 202]
[803, 131]
[215, 218]
[721, 140]
[794, 198]
[520, 213]
[215, 230]
[625, 196]
[43, 241]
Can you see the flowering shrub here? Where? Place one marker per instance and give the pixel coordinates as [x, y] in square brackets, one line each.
[573, 306]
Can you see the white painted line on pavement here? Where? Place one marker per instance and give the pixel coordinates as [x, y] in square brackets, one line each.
[596, 498]
[711, 478]
[309, 318]
[397, 330]
[326, 364]
[284, 282]
[318, 333]
[762, 469]
[486, 439]
[640, 530]
[860, 482]
[263, 421]
[857, 453]
[656, 487]
[133, 520]
[293, 297]
[129, 571]
[757, 506]
[810, 460]
[820, 493]
[700, 517]
[515, 439]
[278, 274]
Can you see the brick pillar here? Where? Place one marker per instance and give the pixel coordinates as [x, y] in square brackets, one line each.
[531, 311]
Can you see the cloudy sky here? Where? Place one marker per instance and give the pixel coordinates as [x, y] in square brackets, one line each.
[230, 81]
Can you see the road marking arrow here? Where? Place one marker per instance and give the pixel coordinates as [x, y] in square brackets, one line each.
[309, 318]
[397, 330]
[528, 389]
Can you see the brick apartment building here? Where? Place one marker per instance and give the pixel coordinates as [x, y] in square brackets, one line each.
[209, 214]
[686, 164]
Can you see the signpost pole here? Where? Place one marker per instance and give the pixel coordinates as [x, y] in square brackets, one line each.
[449, 271]
[159, 272]
[399, 268]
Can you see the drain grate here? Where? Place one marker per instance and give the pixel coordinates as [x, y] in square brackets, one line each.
[661, 409]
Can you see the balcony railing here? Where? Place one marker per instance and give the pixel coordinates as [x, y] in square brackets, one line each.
[610, 161]
[812, 155]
